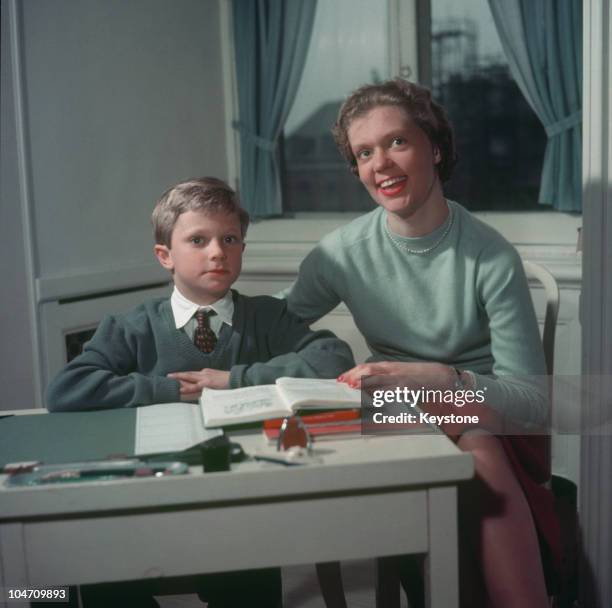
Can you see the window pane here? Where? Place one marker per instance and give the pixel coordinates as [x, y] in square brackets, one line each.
[499, 139]
[349, 47]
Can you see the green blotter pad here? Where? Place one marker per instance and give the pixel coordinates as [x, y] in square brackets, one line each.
[67, 436]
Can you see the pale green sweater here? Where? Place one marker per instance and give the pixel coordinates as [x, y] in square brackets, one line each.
[466, 303]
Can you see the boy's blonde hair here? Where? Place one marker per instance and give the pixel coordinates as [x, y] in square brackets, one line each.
[207, 194]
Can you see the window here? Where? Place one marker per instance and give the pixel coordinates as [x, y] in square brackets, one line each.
[547, 236]
[500, 140]
[349, 46]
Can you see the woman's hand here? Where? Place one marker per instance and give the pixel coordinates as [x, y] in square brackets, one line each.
[192, 383]
[427, 375]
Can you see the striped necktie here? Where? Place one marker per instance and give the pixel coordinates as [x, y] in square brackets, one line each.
[204, 337]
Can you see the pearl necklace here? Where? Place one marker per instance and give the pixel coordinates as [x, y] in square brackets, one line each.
[403, 247]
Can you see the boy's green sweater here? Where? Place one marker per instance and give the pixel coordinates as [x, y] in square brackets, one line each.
[127, 360]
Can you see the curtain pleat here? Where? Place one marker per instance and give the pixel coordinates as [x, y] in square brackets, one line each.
[542, 40]
[271, 39]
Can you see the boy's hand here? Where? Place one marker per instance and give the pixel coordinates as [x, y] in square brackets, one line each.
[192, 383]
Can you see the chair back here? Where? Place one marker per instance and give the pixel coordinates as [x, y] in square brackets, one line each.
[551, 289]
[562, 585]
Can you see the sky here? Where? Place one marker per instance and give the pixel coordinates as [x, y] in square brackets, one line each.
[349, 41]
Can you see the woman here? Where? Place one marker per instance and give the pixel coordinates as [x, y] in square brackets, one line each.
[442, 301]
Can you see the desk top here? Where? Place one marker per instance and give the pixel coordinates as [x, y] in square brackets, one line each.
[354, 465]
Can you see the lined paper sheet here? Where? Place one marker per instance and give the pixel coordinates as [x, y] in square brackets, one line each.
[169, 427]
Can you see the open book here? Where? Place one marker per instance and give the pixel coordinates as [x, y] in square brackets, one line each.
[253, 403]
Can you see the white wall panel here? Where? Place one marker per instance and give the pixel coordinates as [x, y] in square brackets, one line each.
[123, 99]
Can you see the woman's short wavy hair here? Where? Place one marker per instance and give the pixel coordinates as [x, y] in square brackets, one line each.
[416, 100]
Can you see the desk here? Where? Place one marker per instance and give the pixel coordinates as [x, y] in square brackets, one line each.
[371, 496]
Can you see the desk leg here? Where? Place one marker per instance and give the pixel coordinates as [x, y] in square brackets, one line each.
[387, 582]
[13, 570]
[442, 564]
[329, 575]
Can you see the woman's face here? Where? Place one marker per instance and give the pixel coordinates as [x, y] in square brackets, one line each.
[395, 160]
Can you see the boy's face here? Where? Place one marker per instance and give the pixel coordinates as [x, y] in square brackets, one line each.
[205, 254]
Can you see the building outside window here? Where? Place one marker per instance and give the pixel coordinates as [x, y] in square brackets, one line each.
[500, 141]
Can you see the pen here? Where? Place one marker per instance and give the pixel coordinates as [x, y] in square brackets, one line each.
[276, 460]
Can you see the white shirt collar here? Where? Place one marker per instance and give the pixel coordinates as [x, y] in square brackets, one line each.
[184, 309]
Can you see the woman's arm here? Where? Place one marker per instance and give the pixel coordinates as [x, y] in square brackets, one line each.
[315, 292]
[518, 386]
[291, 349]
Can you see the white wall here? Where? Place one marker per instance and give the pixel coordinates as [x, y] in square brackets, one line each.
[123, 100]
[16, 358]
[120, 100]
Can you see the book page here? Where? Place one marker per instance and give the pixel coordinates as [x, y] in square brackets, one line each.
[169, 427]
[317, 393]
[241, 405]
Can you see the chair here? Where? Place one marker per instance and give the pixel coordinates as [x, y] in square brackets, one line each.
[551, 289]
[387, 586]
[565, 591]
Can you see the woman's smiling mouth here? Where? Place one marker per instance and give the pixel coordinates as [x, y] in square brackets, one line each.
[392, 186]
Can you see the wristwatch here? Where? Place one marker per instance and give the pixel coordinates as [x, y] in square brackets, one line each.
[459, 383]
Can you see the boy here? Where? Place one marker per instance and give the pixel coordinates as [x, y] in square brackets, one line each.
[160, 352]
[205, 335]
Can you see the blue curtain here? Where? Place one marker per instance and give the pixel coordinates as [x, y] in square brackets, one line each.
[271, 39]
[542, 40]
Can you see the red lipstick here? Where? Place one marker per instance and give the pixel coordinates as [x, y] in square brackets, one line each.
[394, 188]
